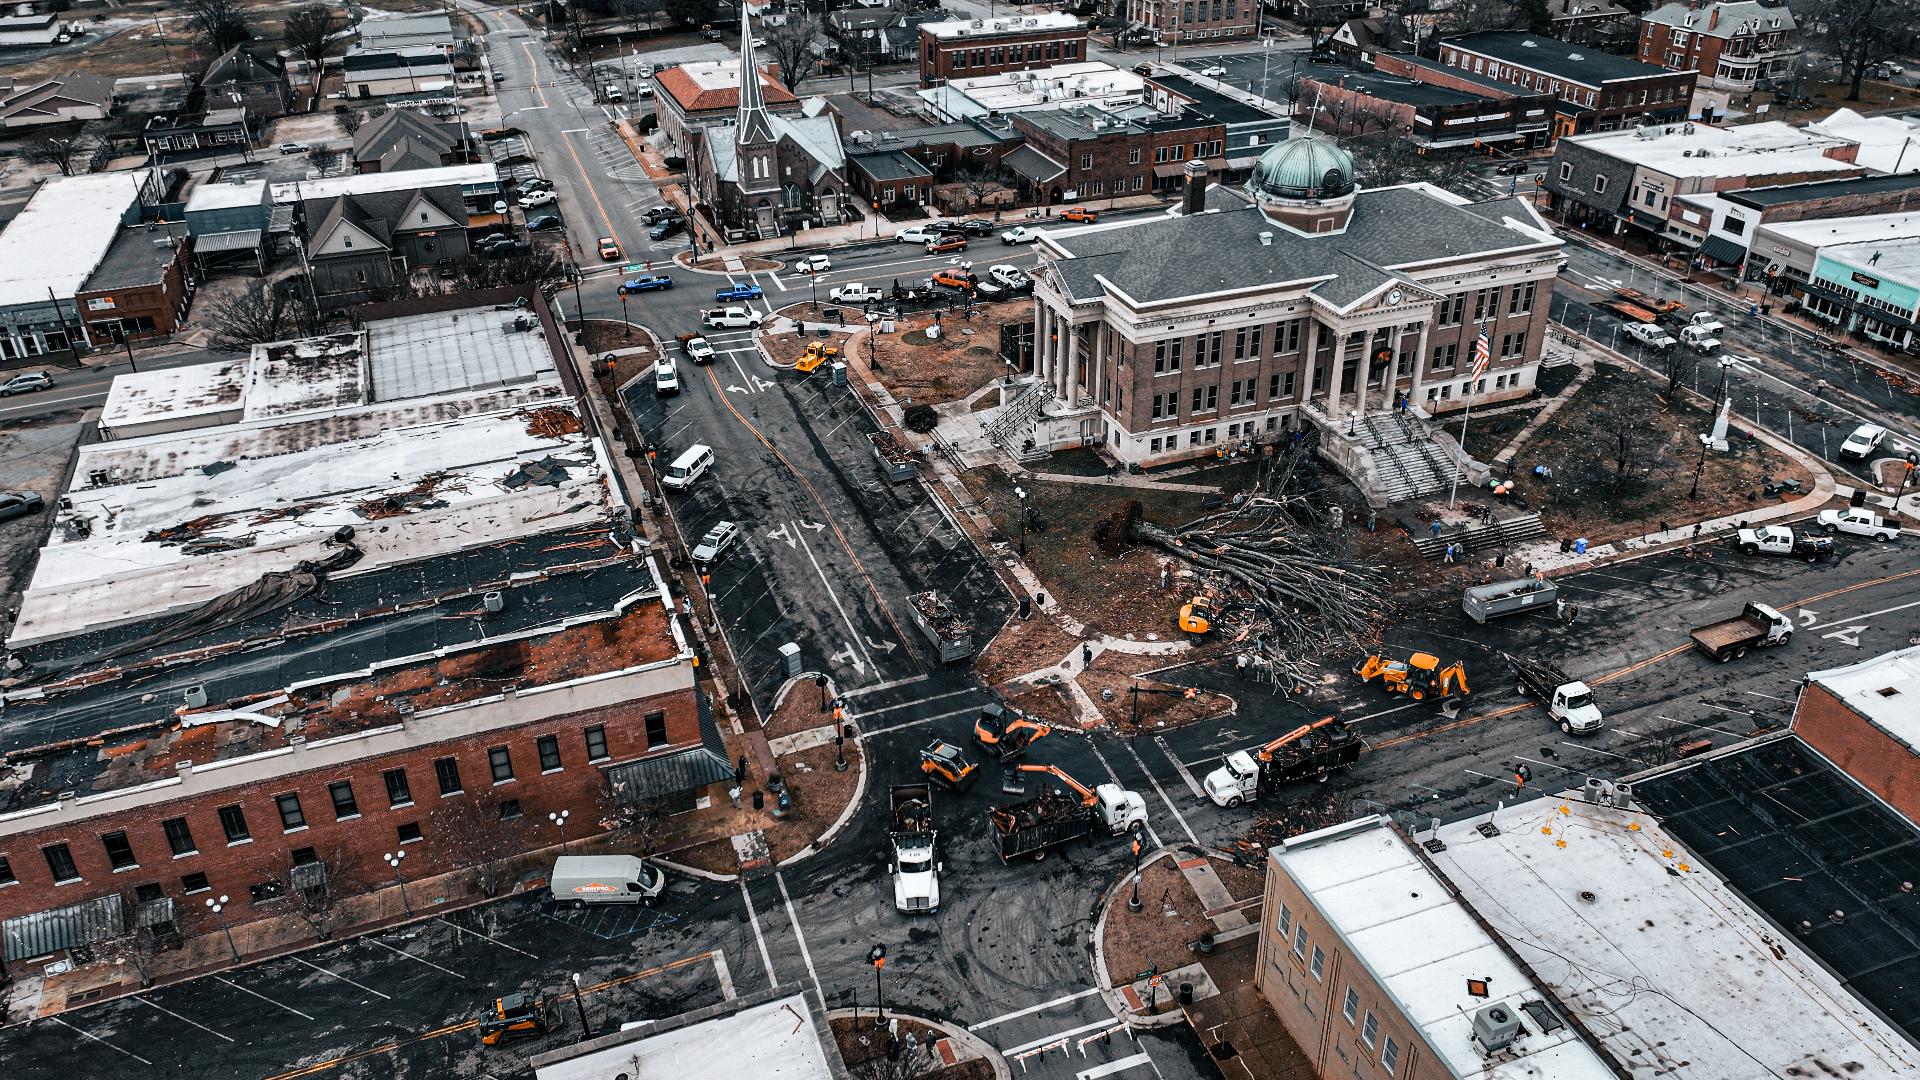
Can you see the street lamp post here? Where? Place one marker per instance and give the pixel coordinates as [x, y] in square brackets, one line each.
[219, 907]
[1133, 902]
[581, 1007]
[394, 859]
[559, 819]
[1021, 494]
[623, 313]
[877, 956]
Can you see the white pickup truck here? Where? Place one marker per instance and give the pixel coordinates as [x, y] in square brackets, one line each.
[1858, 521]
[1019, 234]
[856, 293]
[1704, 320]
[1699, 339]
[730, 316]
[1650, 335]
[1780, 540]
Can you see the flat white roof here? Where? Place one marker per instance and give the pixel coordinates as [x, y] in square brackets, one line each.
[1688, 149]
[1422, 947]
[1887, 144]
[776, 1039]
[195, 390]
[366, 183]
[1671, 970]
[287, 378]
[223, 195]
[1023, 24]
[58, 239]
[1885, 690]
[453, 350]
[1057, 87]
[1826, 232]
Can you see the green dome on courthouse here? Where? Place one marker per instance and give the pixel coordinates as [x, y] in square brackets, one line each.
[1305, 168]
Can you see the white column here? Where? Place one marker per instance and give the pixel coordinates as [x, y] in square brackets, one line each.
[1039, 335]
[1070, 389]
[1334, 377]
[1099, 378]
[1417, 396]
[1362, 371]
[1313, 356]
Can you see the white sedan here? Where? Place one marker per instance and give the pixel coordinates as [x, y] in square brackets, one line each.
[813, 264]
[536, 198]
[1213, 71]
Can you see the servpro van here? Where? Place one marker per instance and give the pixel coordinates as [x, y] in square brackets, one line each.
[579, 880]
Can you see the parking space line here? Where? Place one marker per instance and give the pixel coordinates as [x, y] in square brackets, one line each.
[753, 919]
[155, 1005]
[723, 976]
[101, 1041]
[262, 997]
[806, 956]
[342, 978]
[1158, 790]
[1031, 1009]
[410, 956]
[495, 940]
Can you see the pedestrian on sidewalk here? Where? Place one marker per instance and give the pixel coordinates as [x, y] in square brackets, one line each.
[1434, 530]
[1560, 609]
[1449, 554]
[1573, 613]
[1370, 520]
[1086, 654]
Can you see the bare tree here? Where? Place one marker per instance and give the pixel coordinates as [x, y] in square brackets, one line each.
[791, 46]
[1858, 32]
[261, 312]
[310, 34]
[219, 24]
[62, 151]
[138, 948]
[642, 15]
[319, 904]
[645, 821]
[1678, 365]
[534, 266]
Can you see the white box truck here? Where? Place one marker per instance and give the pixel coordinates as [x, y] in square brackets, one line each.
[579, 880]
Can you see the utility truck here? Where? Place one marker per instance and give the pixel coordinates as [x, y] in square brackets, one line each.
[911, 855]
[1310, 752]
[1056, 817]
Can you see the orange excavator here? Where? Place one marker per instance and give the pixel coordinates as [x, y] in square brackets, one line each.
[1420, 675]
[943, 763]
[1007, 733]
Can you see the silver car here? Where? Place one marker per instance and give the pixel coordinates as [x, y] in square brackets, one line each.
[716, 542]
[26, 382]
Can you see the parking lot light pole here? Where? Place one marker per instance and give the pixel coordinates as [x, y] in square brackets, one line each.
[581, 1007]
[877, 956]
[394, 859]
[219, 908]
[559, 818]
[1021, 493]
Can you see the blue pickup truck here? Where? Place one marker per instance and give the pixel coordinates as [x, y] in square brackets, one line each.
[742, 291]
[646, 283]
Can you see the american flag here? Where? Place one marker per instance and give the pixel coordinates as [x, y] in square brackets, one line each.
[1482, 354]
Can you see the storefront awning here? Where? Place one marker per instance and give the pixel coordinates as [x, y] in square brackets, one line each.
[1723, 251]
[237, 240]
[86, 923]
[682, 770]
[1034, 165]
[154, 913]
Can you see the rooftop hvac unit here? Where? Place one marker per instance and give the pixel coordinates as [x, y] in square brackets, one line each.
[1495, 1027]
[196, 697]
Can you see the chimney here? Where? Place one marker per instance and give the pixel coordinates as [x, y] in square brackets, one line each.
[1713, 17]
[1195, 201]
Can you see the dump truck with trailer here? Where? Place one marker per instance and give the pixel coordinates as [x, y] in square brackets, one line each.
[951, 635]
[1569, 701]
[1756, 626]
[911, 854]
[1310, 752]
[1055, 817]
[1498, 598]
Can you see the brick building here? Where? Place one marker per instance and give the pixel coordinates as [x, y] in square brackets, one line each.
[1602, 24]
[142, 288]
[1730, 46]
[703, 93]
[1094, 154]
[456, 633]
[1299, 300]
[1735, 217]
[965, 48]
[1189, 21]
[1597, 91]
[1861, 718]
[1435, 118]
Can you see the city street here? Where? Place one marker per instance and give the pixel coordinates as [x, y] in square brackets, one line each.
[76, 389]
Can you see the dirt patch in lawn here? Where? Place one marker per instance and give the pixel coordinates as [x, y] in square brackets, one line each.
[1487, 436]
[1623, 461]
[1160, 705]
[1111, 594]
[800, 710]
[1023, 646]
[599, 336]
[1045, 702]
[864, 1048]
[820, 795]
[1243, 882]
[963, 359]
[1157, 936]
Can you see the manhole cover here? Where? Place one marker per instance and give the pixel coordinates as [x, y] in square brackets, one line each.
[1223, 1050]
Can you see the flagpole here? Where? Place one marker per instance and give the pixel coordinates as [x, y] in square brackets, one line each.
[1482, 356]
[1460, 466]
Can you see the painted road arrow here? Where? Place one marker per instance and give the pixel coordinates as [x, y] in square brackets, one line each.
[1848, 636]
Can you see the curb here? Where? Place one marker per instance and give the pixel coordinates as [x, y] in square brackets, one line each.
[1108, 993]
[981, 1047]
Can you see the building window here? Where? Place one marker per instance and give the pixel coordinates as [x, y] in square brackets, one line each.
[266, 890]
[60, 861]
[1351, 1006]
[549, 748]
[1599, 183]
[1319, 964]
[1452, 309]
[1133, 156]
[291, 817]
[656, 729]
[344, 806]
[1246, 343]
[304, 857]
[1086, 161]
[6, 873]
[1566, 170]
[1138, 182]
[194, 883]
[1166, 356]
[1166, 406]
[1286, 337]
[399, 793]
[1446, 356]
[500, 760]
[1370, 1030]
[1521, 301]
[1300, 941]
[448, 771]
[1390, 1055]
[596, 743]
[1206, 398]
[233, 822]
[1485, 302]
[179, 837]
[119, 852]
[408, 832]
[1280, 386]
[510, 809]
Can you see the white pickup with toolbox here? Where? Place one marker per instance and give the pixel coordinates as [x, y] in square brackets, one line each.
[1699, 339]
[1858, 521]
[730, 317]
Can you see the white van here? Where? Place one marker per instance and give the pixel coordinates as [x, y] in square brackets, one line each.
[688, 467]
[579, 880]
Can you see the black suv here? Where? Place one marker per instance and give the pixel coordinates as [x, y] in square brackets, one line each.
[661, 213]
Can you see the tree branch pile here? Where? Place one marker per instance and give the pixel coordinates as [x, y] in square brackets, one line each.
[1268, 557]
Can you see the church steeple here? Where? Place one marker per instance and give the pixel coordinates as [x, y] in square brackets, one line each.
[751, 126]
